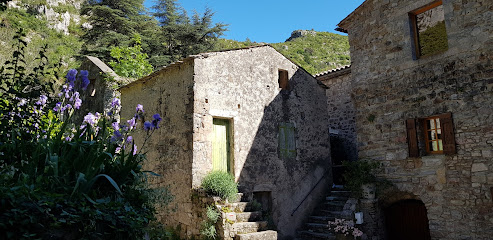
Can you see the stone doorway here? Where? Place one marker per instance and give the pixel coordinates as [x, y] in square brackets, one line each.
[221, 145]
[407, 220]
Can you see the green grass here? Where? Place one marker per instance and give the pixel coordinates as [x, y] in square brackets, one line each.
[315, 53]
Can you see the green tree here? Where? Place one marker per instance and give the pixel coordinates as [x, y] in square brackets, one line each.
[181, 36]
[130, 61]
[114, 22]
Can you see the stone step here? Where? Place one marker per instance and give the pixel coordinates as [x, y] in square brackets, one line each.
[248, 216]
[340, 193]
[263, 235]
[310, 235]
[334, 198]
[239, 198]
[248, 227]
[236, 207]
[242, 216]
[317, 226]
[330, 213]
[323, 219]
[335, 203]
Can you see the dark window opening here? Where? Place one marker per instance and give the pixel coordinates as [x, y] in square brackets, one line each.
[283, 79]
[428, 28]
[265, 200]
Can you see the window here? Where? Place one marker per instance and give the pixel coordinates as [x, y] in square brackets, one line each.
[287, 143]
[428, 29]
[436, 135]
[283, 79]
[433, 135]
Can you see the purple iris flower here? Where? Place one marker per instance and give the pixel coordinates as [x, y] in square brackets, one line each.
[42, 100]
[90, 119]
[147, 125]
[115, 126]
[135, 149]
[117, 136]
[71, 77]
[57, 107]
[115, 102]
[129, 139]
[157, 119]
[84, 79]
[139, 108]
[77, 103]
[131, 123]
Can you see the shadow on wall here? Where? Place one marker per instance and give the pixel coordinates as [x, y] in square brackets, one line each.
[290, 155]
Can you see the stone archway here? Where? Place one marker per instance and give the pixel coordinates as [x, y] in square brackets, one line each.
[407, 220]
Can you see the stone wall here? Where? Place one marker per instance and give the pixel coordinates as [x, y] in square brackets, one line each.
[341, 113]
[168, 92]
[389, 86]
[242, 86]
[100, 92]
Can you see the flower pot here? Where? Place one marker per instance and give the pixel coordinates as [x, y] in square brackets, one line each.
[369, 190]
[340, 236]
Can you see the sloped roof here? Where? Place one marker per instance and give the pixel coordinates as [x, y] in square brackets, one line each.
[342, 23]
[205, 55]
[101, 65]
[333, 71]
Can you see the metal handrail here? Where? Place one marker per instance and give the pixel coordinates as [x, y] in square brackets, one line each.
[308, 194]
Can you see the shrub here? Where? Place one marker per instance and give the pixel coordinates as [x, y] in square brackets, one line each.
[208, 229]
[359, 173]
[62, 181]
[222, 184]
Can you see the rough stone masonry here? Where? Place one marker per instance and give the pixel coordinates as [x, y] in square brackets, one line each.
[390, 85]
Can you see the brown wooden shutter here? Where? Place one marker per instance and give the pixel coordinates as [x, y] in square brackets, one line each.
[448, 136]
[412, 139]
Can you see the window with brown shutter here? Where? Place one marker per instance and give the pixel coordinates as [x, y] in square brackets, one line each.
[412, 139]
[436, 134]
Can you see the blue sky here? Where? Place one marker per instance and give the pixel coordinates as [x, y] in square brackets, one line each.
[272, 21]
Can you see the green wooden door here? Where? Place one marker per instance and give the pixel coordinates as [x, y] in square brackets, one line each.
[221, 145]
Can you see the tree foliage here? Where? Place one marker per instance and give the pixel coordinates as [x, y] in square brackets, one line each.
[114, 22]
[130, 61]
[181, 35]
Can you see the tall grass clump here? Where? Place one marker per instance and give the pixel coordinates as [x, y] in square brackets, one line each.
[222, 184]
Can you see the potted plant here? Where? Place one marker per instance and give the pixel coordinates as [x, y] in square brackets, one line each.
[344, 229]
[360, 178]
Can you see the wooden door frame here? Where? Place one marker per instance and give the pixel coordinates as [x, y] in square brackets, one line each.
[230, 140]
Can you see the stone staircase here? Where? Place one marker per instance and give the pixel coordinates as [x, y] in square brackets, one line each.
[243, 220]
[336, 205]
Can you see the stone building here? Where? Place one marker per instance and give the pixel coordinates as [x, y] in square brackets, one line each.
[251, 112]
[101, 89]
[422, 86]
[342, 125]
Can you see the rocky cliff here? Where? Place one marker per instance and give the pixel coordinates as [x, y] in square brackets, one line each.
[60, 14]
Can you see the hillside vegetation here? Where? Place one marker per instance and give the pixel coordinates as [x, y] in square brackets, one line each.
[317, 52]
[314, 51]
